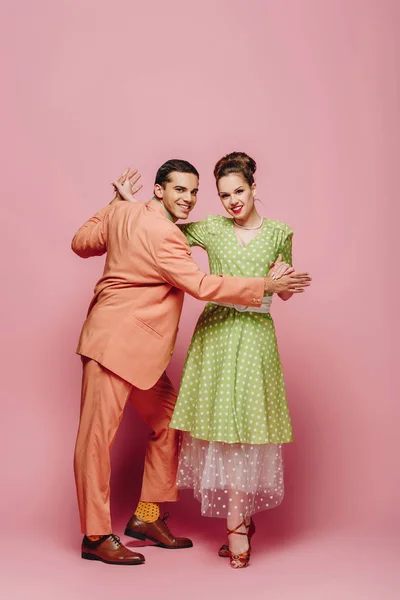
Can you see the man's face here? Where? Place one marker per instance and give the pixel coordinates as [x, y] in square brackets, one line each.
[179, 195]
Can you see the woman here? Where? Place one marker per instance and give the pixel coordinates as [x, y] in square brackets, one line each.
[232, 405]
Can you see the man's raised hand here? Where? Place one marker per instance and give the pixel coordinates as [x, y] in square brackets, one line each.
[127, 185]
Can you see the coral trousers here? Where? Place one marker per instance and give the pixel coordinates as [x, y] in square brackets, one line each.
[104, 396]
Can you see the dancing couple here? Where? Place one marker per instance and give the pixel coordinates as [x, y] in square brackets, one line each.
[222, 434]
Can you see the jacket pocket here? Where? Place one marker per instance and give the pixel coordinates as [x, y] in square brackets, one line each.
[147, 327]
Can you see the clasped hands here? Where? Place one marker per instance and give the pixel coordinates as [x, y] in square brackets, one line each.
[282, 279]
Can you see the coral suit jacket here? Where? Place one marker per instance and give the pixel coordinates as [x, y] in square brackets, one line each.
[133, 318]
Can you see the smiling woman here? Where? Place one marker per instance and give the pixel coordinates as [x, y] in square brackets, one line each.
[232, 402]
[234, 174]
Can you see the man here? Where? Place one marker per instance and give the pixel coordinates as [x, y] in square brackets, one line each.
[126, 343]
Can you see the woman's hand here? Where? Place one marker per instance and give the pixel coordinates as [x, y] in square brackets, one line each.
[279, 268]
[126, 186]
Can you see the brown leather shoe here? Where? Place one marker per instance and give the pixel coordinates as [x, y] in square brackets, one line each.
[158, 532]
[108, 549]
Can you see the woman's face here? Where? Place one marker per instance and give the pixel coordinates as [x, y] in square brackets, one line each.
[236, 195]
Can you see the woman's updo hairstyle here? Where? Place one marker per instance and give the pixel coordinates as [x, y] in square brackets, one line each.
[236, 162]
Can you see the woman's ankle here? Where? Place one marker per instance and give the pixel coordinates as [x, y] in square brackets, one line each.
[236, 523]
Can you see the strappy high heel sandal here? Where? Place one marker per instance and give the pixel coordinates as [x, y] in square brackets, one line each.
[239, 561]
[223, 552]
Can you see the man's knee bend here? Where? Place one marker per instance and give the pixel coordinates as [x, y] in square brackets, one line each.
[165, 433]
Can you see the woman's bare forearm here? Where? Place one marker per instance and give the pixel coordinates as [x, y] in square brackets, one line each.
[285, 295]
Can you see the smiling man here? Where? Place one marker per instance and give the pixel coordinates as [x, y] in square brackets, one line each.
[176, 190]
[126, 344]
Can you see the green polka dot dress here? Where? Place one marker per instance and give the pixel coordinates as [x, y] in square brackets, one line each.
[232, 402]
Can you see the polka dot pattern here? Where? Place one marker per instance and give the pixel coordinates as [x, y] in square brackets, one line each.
[148, 511]
[232, 394]
[231, 479]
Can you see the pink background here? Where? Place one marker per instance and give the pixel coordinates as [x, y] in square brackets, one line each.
[311, 90]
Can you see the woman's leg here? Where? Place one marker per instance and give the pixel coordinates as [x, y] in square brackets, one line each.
[236, 521]
[238, 541]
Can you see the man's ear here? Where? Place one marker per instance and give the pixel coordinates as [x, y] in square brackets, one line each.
[158, 191]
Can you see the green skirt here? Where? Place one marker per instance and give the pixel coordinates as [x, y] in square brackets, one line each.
[232, 387]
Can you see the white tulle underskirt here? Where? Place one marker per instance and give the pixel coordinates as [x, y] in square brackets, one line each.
[231, 479]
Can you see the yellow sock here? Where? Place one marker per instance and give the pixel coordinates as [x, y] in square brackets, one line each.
[148, 511]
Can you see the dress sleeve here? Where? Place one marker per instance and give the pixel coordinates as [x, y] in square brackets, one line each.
[285, 247]
[195, 233]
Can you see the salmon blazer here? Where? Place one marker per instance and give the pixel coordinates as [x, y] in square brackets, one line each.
[133, 318]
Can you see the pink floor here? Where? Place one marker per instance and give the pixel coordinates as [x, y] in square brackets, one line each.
[328, 567]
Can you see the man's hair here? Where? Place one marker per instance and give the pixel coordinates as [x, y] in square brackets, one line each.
[177, 165]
